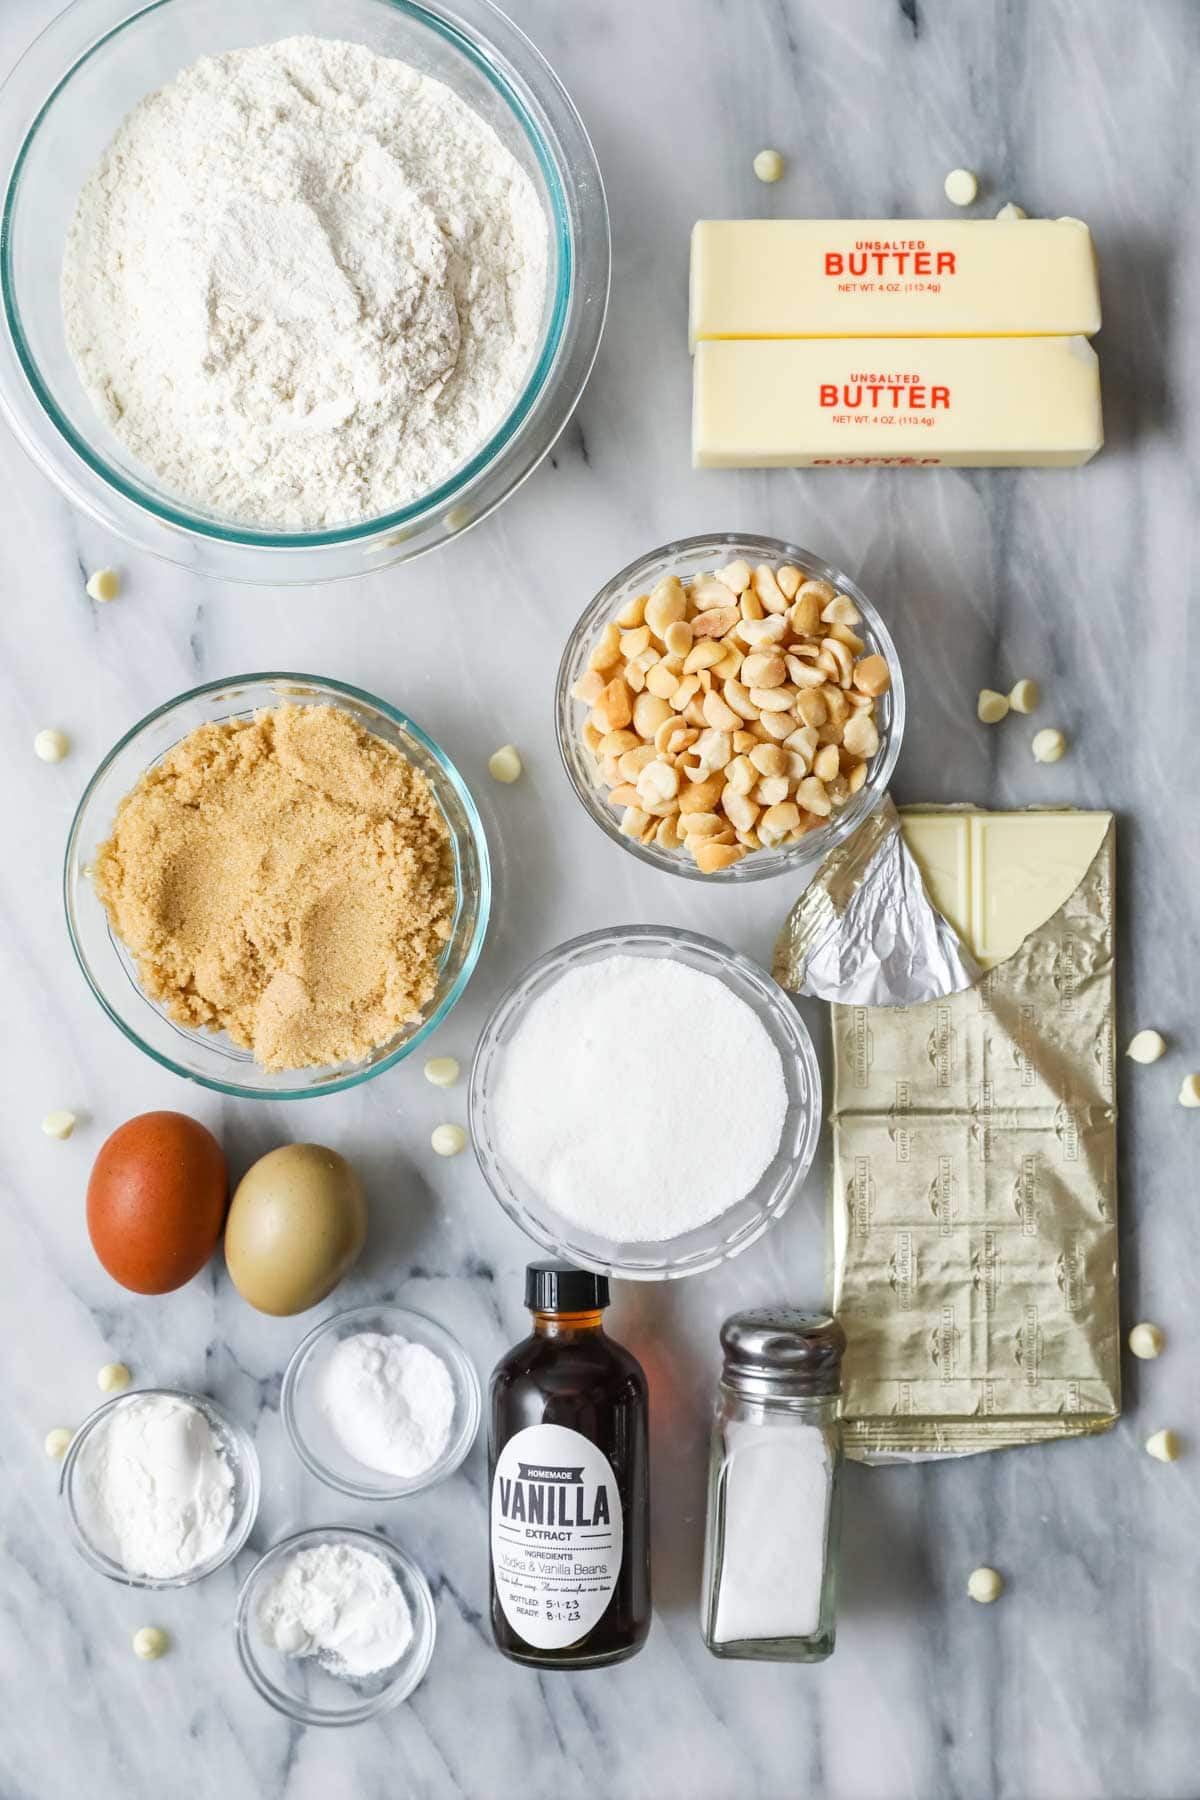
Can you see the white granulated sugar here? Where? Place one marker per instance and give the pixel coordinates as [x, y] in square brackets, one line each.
[305, 283]
[340, 1604]
[639, 1098]
[389, 1402]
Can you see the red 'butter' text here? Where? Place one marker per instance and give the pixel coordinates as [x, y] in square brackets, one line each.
[889, 262]
[884, 393]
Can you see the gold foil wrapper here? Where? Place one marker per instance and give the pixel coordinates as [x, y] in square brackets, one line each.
[973, 1233]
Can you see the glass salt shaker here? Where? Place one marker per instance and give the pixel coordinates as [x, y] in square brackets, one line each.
[770, 1553]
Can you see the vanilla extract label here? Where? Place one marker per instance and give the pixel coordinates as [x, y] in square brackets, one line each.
[557, 1534]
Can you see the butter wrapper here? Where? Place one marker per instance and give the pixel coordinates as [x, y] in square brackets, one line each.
[973, 1230]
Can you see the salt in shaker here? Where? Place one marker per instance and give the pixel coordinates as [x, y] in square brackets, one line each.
[770, 1560]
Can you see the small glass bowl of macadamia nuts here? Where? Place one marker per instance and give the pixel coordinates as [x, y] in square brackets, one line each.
[730, 707]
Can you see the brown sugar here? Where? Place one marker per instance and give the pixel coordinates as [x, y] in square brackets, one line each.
[288, 879]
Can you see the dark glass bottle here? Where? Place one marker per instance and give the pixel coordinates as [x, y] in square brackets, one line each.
[569, 1477]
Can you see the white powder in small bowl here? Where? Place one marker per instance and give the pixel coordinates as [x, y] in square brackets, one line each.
[389, 1402]
[157, 1486]
[639, 1098]
[340, 1604]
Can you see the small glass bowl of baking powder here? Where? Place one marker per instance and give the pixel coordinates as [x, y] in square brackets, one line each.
[109, 966]
[738, 1225]
[87, 1531]
[303, 1688]
[687, 558]
[318, 1445]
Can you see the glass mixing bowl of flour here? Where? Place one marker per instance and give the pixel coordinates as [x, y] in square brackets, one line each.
[59, 111]
[740, 1224]
[210, 1057]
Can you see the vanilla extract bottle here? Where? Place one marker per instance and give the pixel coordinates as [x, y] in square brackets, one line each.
[569, 1475]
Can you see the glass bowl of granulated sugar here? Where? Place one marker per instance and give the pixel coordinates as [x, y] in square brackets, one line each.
[645, 1102]
[292, 309]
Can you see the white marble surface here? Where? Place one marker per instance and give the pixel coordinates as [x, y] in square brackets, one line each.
[1085, 1679]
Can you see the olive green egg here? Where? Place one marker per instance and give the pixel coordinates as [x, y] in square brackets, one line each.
[297, 1224]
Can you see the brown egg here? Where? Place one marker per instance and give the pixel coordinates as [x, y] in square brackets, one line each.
[156, 1201]
[297, 1223]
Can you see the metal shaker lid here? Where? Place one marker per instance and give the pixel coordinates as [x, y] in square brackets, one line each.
[780, 1350]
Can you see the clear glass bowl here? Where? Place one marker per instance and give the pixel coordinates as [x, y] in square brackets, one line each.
[688, 557]
[739, 1225]
[210, 1057]
[300, 1687]
[315, 1443]
[59, 109]
[87, 1533]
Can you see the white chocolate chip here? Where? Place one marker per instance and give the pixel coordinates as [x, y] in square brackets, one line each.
[56, 1441]
[448, 1140]
[442, 1071]
[51, 746]
[1146, 1341]
[59, 1124]
[985, 1585]
[505, 764]
[1163, 1446]
[1189, 1093]
[991, 707]
[1049, 746]
[150, 1643]
[105, 584]
[1146, 1046]
[768, 165]
[960, 187]
[1010, 210]
[113, 1377]
[1025, 696]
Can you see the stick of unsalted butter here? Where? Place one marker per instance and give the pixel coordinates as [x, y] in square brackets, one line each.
[895, 402]
[781, 278]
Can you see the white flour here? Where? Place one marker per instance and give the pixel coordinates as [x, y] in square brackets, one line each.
[640, 1098]
[305, 283]
[340, 1604]
[390, 1403]
[157, 1486]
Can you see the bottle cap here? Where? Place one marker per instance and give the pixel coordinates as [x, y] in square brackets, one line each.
[779, 1350]
[557, 1287]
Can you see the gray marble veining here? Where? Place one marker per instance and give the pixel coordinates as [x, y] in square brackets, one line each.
[1085, 1680]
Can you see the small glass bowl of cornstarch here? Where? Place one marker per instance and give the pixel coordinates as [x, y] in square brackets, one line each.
[161, 1488]
[380, 1402]
[700, 772]
[315, 290]
[355, 1646]
[645, 1102]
